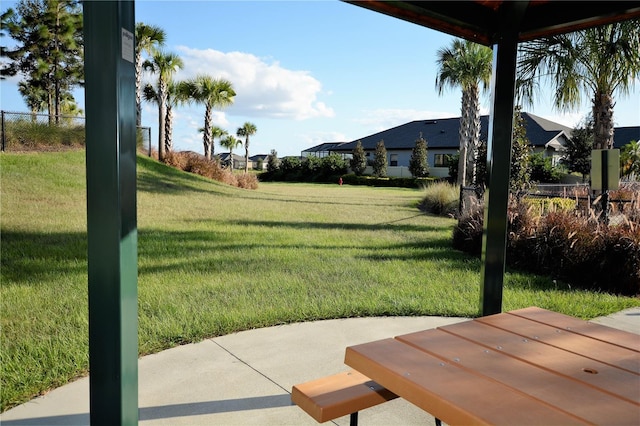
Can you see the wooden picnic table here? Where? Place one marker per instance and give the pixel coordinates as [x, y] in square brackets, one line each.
[528, 366]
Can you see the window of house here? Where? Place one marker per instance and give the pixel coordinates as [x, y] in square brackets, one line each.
[441, 160]
[393, 161]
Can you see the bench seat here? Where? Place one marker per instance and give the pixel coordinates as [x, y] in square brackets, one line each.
[335, 396]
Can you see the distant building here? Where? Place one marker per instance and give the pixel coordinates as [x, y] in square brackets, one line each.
[322, 150]
[238, 161]
[259, 161]
[545, 136]
[624, 135]
[442, 136]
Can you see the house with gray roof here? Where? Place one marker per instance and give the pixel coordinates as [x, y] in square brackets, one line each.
[322, 150]
[442, 139]
[259, 161]
[624, 135]
[238, 160]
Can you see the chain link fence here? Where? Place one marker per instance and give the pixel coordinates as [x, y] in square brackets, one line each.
[22, 131]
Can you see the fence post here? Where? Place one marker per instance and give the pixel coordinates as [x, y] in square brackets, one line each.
[3, 137]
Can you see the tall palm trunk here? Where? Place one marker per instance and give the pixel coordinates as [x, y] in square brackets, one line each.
[603, 121]
[206, 139]
[464, 139]
[168, 130]
[138, 89]
[162, 102]
[246, 155]
[474, 132]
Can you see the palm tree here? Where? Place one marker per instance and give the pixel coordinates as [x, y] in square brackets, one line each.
[217, 132]
[602, 60]
[230, 142]
[164, 65]
[35, 97]
[466, 64]
[247, 129]
[630, 160]
[148, 37]
[212, 93]
[177, 93]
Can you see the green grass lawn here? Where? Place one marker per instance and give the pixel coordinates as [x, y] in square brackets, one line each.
[215, 259]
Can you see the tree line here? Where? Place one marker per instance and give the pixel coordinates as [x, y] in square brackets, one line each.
[48, 55]
[49, 58]
[601, 61]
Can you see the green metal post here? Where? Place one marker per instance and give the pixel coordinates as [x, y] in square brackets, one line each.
[496, 196]
[111, 211]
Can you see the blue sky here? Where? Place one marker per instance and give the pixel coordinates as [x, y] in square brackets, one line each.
[308, 72]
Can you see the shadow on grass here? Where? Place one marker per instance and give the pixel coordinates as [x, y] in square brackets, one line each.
[30, 258]
[34, 258]
[394, 225]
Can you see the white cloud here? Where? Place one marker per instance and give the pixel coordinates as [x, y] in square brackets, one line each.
[264, 89]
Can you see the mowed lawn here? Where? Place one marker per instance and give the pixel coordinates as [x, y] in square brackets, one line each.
[214, 259]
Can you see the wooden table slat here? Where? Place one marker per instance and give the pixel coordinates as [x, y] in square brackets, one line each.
[590, 329]
[554, 389]
[567, 340]
[610, 379]
[447, 391]
[528, 366]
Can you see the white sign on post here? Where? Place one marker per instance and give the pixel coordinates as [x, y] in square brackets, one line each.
[127, 46]
[605, 169]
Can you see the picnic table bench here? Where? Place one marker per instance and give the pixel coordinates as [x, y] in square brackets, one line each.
[330, 397]
[529, 366]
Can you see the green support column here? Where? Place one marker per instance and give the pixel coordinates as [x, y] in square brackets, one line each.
[496, 197]
[111, 211]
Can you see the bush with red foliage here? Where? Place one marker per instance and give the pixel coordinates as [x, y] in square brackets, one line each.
[574, 247]
[198, 164]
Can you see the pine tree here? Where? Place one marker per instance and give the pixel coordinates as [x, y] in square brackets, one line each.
[48, 55]
[380, 160]
[520, 169]
[358, 161]
[578, 154]
[418, 165]
[272, 161]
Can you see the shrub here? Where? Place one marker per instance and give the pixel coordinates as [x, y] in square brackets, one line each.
[198, 164]
[467, 235]
[574, 247]
[441, 198]
[547, 205]
[380, 160]
[247, 181]
[332, 166]
[290, 164]
[418, 165]
[358, 162]
[23, 134]
[272, 161]
[542, 170]
[311, 165]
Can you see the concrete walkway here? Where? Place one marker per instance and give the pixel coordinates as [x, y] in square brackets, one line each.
[246, 378]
